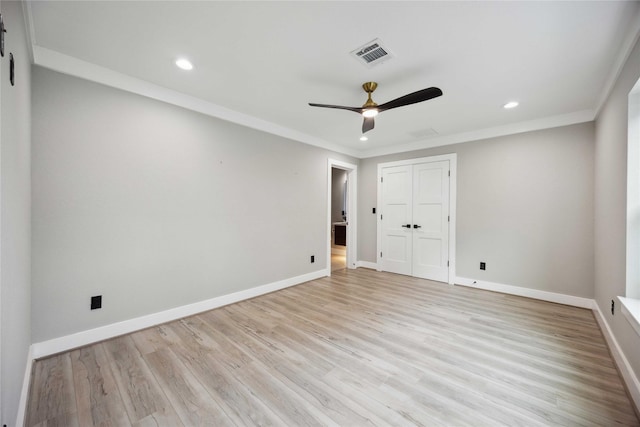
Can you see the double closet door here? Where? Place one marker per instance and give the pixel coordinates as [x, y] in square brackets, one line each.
[414, 220]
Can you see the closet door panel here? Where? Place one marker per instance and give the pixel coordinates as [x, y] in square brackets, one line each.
[430, 219]
[396, 214]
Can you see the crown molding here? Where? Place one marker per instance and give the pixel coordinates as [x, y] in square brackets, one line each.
[493, 132]
[72, 66]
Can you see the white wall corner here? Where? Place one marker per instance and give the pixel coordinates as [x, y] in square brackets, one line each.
[29, 27]
[621, 59]
[527, 292]
[80, 339]
[629, 377]
[24, 394]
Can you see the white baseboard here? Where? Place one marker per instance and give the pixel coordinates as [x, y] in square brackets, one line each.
[80, 339]
[367, 264]
[629, 377]
[24, 395]
[527, 292]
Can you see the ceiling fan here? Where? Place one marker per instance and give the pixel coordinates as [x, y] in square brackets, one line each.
[370, 109]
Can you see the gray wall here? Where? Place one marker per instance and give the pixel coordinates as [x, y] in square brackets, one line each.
[154, 206]
[610, 208]
[15, 199]
[338, 177]
[524, 206]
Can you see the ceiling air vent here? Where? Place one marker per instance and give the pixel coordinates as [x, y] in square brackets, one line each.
[424, 133]
[372, 53]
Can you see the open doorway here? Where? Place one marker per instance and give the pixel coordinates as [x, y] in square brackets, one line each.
[341, 215]
[338, 219]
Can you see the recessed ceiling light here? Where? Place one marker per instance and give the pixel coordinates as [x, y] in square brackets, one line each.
[364, 138]
[184, 64]
[509, 105]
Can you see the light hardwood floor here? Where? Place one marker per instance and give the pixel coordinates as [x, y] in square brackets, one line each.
[338, 262]
[361, 348]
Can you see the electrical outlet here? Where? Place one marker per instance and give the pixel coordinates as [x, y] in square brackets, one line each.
[483, 266]
[96, 302]
[373, 210]
[313, 259]
[613, 306]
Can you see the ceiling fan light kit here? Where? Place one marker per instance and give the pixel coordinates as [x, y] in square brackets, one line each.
[370, 109]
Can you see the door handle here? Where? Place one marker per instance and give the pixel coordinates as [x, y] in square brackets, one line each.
[406, 226]
[417, 226]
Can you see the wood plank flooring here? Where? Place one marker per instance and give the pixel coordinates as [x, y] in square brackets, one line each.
[338, 262]
[360, 348]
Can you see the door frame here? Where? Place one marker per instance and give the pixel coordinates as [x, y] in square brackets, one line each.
[453, 167]
[352, 211]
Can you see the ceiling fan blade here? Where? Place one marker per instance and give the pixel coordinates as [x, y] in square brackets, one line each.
[412, 98]
[367, 124]
[340, 107]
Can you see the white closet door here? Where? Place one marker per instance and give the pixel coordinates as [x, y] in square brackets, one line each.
[430, 225]
[414, 223]
[396, 215]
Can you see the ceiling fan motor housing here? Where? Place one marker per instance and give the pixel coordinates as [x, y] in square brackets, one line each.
[369, 87]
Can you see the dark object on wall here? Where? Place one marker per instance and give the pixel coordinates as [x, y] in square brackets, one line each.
[341, 235]
[2, 31]
[96, 302]
[12, 71]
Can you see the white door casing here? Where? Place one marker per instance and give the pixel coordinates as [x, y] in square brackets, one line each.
[419, 193]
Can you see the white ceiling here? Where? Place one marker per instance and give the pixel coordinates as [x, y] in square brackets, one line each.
[267, 60]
